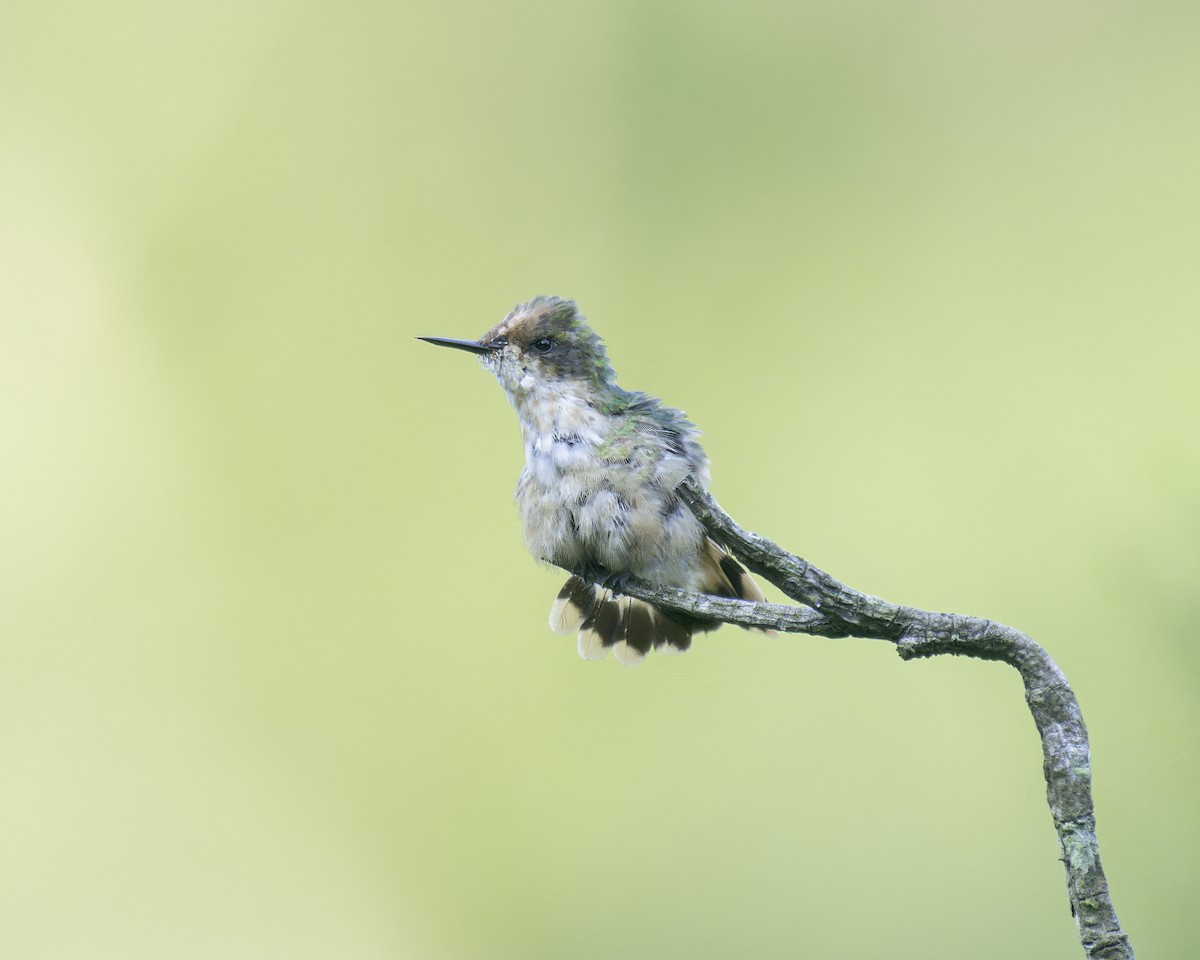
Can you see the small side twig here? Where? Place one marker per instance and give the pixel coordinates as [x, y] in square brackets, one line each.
[832, 609]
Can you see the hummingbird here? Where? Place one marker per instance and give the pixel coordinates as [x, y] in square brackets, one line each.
[597, 495]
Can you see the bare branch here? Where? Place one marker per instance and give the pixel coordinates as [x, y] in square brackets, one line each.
[832, 609]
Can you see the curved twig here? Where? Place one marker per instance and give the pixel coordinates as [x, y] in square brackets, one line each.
[832, 609]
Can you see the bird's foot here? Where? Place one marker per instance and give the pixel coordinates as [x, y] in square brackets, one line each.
[614, 581]
[602, 577]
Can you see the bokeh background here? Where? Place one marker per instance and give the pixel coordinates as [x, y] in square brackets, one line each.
[276, 680]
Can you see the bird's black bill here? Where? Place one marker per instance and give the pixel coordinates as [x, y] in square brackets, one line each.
[471, 346]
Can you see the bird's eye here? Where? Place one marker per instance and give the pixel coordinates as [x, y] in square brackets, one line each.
[543, 345]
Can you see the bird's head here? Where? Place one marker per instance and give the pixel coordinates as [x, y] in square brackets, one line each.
[542, 346]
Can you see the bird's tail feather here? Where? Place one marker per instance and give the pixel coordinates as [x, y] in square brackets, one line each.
[632, 628]
[608, 621]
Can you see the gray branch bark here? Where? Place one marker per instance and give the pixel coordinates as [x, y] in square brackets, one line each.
[832, 609]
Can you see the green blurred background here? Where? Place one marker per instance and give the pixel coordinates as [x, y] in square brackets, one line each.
[276, 679]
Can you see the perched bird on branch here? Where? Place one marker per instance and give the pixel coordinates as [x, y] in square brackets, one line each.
[597, 492]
